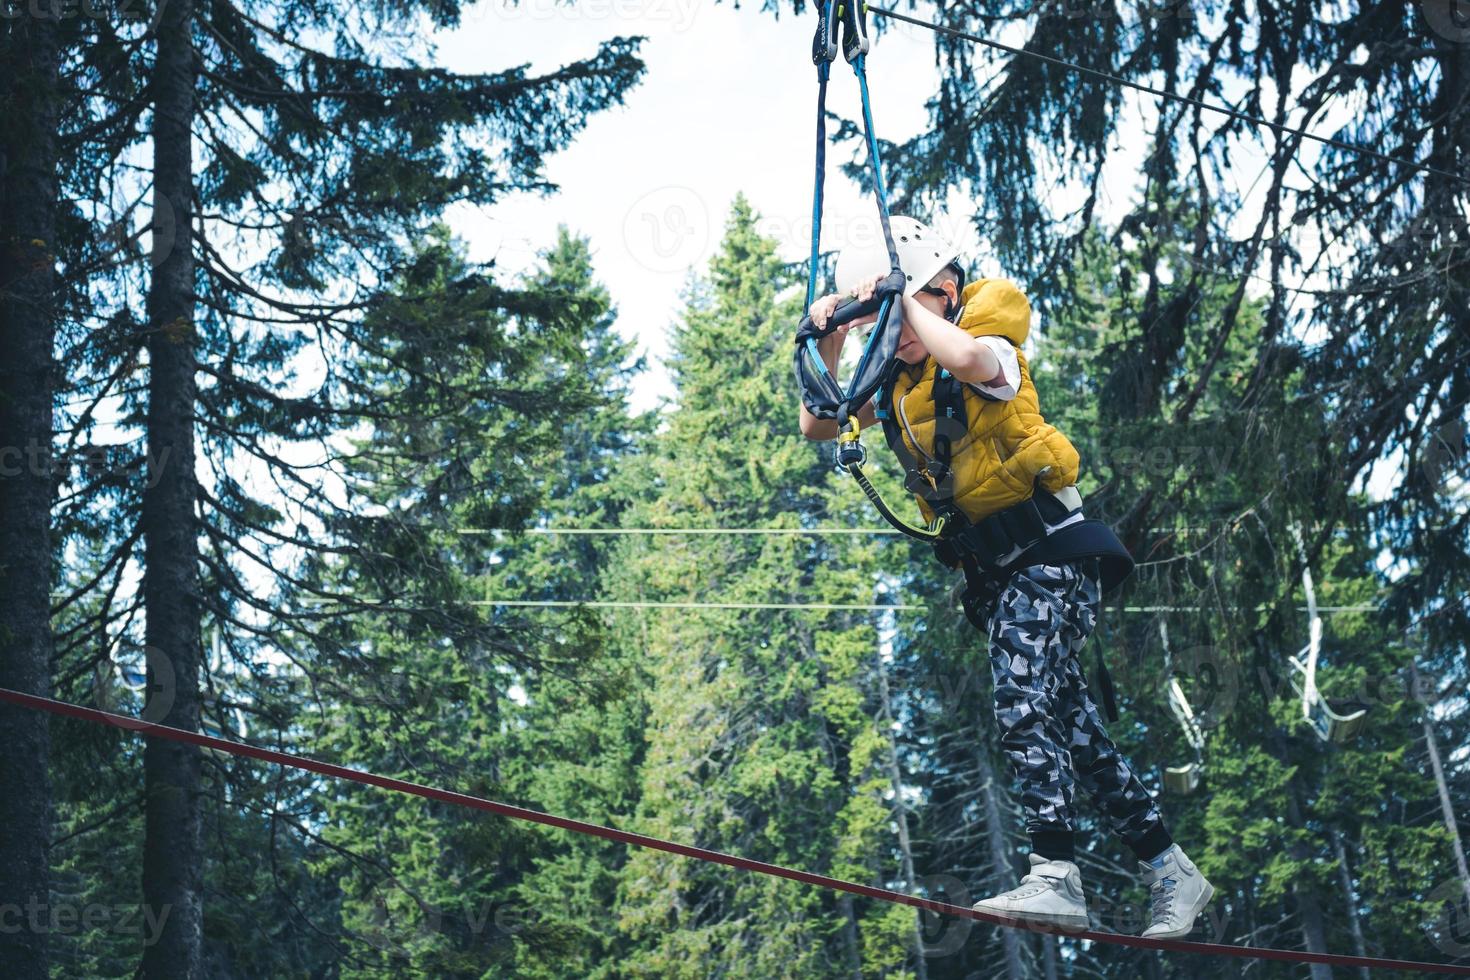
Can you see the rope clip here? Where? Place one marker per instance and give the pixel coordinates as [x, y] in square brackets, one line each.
[850, 451]
[824, 43]
[854, 17]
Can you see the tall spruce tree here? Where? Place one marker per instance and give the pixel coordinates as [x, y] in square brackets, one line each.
[30, 54]
[504, 422]
[764, 735]
[280, 170]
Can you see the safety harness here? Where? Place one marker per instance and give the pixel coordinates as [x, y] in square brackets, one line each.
[988, 550]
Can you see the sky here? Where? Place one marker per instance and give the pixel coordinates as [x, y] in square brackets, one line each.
[727, 105]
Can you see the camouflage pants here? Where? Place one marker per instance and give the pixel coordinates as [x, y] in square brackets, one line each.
[1050, 728]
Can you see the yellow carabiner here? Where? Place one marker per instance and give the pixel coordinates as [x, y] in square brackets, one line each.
[850, 434]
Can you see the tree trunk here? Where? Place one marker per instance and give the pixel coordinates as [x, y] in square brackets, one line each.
[906, 854]
[1355, 925]
[851, 948]
[1049, 957]
[172, 872]
[1000, 864]
[28, 194]
[1451, 824]
[1314, 928]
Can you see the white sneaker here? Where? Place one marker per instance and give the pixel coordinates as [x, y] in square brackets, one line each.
[1178, 894]
[1050, 894]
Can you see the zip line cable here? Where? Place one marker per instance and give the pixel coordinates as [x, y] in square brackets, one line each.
[333, 771]
[377, 606]
[469, 531]
[1235, 114]
[681, 530]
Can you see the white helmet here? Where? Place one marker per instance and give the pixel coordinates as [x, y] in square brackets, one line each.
[921, 253]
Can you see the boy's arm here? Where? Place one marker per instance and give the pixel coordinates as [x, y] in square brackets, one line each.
[953, 348]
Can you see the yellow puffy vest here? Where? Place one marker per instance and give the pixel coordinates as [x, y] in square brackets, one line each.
[1008, 444]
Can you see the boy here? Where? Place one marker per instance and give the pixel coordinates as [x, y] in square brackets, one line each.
[1037, 602]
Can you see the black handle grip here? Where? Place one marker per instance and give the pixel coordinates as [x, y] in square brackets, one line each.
[853, 308]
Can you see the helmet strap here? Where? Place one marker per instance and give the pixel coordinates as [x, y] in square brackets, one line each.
[950, 306]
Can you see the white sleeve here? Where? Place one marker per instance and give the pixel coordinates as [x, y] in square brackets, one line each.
[1010, 369]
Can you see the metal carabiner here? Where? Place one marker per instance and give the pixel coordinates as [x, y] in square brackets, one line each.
[854, 17]
[824, 42]
[850, 451]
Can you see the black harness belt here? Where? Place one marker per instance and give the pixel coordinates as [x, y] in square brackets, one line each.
[1017, 536]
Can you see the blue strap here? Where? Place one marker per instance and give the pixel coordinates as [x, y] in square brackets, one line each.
[859, 68]
[880, 342]
[823, 72]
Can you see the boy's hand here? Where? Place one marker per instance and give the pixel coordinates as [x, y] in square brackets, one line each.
[821, 311]
[866, 287]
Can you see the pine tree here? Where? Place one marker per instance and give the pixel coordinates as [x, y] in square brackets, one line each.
[763, 735]
[349, 151]
[507, 423]
[29, 155]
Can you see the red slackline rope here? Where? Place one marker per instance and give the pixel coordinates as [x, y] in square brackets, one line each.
[627, 837]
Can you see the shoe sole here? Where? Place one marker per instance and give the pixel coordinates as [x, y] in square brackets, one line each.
[1073, 923]
[1208, 894]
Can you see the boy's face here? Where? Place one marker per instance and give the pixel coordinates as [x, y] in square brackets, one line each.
[911, 349]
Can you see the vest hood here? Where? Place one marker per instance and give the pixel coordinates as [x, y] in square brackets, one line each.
[995, 308]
